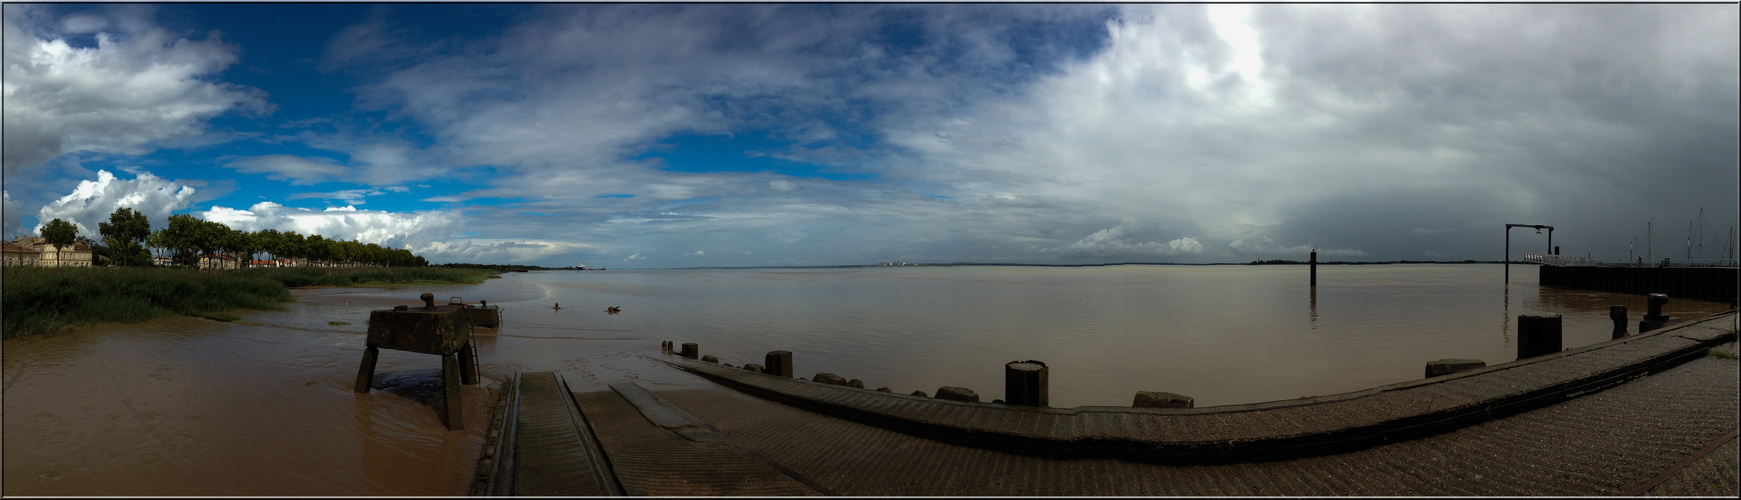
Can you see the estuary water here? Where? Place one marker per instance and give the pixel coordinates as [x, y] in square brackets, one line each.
[264, 406]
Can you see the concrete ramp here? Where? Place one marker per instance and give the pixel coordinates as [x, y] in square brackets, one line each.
[542, 445]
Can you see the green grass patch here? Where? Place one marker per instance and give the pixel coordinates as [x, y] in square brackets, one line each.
[47, 300]
[40, 301]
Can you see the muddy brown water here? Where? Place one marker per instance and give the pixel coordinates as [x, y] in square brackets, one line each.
[264, 406]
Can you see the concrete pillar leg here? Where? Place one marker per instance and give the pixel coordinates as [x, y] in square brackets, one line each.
[1537, 335]
[451, 395]
[779, 363]
[1025, 383]
[366, 373]
[1618, 314]
[468, 363]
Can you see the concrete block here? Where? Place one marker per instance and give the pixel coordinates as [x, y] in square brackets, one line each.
[690, 350]
[1146, 399]
[1537, 335]
[1452, 365]
[779, 363]
[829, 378]
[953, 393]
[709, 359]
[920, 394]
[752, 367]
[855, 383]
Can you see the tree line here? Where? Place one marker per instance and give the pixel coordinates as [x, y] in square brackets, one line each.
[128, 240]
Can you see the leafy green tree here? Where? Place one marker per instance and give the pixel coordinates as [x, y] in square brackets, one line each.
[61, 234]
[122, 235]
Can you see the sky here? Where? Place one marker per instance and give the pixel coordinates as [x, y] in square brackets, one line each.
[699, 135]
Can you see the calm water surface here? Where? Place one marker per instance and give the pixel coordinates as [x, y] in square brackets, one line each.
[264, 406]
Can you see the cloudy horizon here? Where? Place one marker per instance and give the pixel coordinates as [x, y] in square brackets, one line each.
[661, 136]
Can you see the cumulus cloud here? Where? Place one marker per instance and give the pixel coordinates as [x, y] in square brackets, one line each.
[419, 229]
[696, 253]
[1112, 242]
[91, 202]
[133, 89]
[633, 257]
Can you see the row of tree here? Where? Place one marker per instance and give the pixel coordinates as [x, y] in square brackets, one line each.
[128, 235]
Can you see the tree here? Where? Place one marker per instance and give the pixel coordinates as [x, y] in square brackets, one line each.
[182, 238]
[60, 233]
[123, 233]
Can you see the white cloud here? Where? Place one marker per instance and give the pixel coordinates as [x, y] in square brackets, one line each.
[352, 196]
[14, 211]
[496, 250]
[92, 202]
[697, 253]
[633, 257]
[130, 91]
[420, 229]
[1111, 242]
[296, 169]
[1264, 246]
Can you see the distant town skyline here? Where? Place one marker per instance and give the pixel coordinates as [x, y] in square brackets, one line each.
[670, 136]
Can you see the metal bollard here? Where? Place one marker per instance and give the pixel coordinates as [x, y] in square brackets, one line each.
[779, 363]
[1657, 300]
[1537, 335]
[1024, 383]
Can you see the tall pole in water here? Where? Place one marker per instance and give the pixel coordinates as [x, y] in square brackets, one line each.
[1314, 267]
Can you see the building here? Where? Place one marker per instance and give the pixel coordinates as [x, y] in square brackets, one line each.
[217, 261]
[12, 255]
[75, 255]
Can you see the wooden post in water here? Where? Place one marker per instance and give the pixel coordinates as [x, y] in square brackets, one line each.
[1024, 383]
[1314, 268]
[1537, 335]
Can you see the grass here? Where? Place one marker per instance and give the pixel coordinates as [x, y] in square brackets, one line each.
[38, 301]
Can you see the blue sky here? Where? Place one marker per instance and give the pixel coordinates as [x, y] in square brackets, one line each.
[734, 135]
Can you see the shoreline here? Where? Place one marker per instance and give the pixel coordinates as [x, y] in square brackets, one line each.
[49, 301]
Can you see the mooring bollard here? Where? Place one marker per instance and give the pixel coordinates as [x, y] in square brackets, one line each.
[1146, 399]
[1653, 317]
[779, 363]
[953, 393]
[690, 350]
[1024, 383]
[1618, 314]
[1537, 335]
[1452, 365]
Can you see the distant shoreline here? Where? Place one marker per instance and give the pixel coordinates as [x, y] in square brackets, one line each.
[953, 264]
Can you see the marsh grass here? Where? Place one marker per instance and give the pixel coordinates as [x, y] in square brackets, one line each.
[47, 300]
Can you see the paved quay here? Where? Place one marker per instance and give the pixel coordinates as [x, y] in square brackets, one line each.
[1647, 414]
